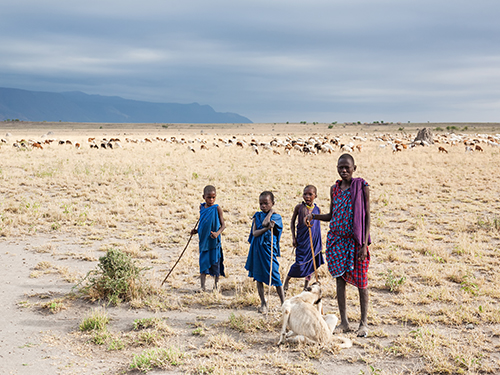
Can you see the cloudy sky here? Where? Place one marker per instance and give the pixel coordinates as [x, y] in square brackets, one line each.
[271, 61]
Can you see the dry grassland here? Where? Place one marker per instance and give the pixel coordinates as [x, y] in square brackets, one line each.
[434, 283]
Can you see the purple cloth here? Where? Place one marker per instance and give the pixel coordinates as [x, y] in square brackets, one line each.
[359, 212]
[304, 265]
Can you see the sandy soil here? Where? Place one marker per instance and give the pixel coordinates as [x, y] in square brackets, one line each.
[35, 340]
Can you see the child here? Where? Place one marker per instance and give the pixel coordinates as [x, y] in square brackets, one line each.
[348, 238]
[304, 266]
[209, 233]
[259, 256]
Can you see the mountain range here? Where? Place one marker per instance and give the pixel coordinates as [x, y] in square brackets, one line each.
[77, 106]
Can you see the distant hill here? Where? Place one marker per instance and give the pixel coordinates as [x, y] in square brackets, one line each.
[80, 107]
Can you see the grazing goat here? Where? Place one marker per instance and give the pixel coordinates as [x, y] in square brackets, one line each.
[302, 315]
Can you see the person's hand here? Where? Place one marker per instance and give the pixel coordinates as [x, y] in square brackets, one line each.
[295, 243]
[363, 253]
[214, 234]
[307, 219]
[271, 224]
[194, 231]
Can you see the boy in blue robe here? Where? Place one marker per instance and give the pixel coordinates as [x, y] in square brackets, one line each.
[209, 234]
[259, 256]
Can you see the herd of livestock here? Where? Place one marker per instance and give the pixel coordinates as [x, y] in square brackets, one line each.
[278, 145]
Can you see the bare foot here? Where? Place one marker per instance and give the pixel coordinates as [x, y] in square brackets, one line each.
[343, 328]
[362, 331]
[262, 309]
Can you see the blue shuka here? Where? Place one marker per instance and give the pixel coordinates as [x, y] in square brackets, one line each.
[211, 256]
[259, 256]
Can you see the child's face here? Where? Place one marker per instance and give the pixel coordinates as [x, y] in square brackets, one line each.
[346, 168]
[309, 196]
[209, 198]
[265, 203]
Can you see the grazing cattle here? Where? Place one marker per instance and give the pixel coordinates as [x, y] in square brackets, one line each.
[396, 148]
[37, 145]
[203, 147]
[442, 149]
[468, 149]
[61, 142]
[90, 140]
[359, 147]
[255, 149]
[346, 148]
[69, 142]
[327, 148]
[77, 145]
[190, 148]
[478, 148]
[276, 152]
[103, 145]
[4, 140]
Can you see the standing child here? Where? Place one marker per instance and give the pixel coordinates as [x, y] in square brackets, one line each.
[266, 225]
[209, 233]
[348, 238]
[304, 266]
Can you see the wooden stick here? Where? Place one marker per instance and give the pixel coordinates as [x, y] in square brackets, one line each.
[312, 251]
[270, 272]
[181, 254]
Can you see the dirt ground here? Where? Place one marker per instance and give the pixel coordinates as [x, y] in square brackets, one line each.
[434, 285]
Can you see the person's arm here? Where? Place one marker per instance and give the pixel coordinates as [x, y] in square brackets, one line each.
[364, 247]
[267, 219]
[322, 217]
[292, 224]
[259, 232]
[222, 224]
[194, 230]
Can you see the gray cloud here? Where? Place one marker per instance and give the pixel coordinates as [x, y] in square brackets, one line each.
[270, 61]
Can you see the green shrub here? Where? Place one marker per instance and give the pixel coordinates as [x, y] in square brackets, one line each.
[394, 283]
[157, 357]
[118, 278]
[96, 321]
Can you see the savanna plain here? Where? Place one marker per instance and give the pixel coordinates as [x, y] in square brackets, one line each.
[87, 235]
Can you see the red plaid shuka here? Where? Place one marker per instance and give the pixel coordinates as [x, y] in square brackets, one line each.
[341, 248]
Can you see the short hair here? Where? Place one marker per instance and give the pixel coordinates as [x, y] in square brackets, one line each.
[347, 156]
[311, 187]
[267, 194]
[209, 189]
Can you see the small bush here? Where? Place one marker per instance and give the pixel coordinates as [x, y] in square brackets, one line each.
[157, 358]
[117, 278]
[96, 321]
[54, 306]
[394, 283]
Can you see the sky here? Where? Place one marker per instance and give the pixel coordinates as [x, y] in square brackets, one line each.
[271, 61]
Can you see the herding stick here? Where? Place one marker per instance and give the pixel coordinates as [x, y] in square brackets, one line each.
[181, 254]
